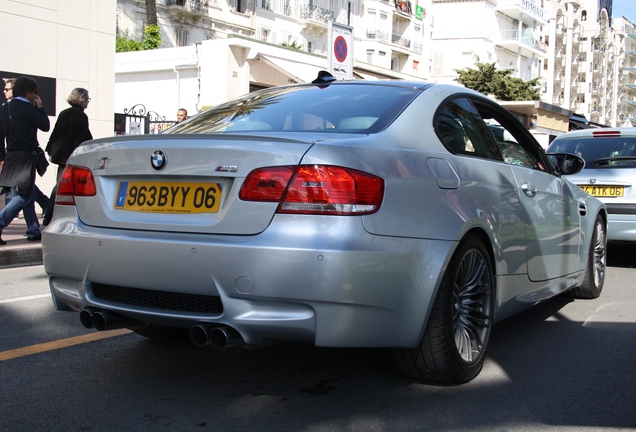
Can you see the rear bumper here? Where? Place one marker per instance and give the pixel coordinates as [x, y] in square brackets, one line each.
[328, 282]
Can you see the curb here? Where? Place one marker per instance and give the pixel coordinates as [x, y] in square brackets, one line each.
[20, 257]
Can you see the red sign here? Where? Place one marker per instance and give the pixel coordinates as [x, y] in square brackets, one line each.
[340, 49]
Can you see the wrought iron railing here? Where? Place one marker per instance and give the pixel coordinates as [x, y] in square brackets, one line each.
[191, 5]
[315, 13]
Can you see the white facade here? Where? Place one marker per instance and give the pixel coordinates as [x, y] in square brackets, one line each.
[70, 41]
[575, 47]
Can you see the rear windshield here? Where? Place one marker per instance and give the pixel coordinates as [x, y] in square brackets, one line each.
[338, 108]
[599, 152]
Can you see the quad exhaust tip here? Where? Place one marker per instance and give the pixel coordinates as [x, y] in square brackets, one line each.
[218, 335]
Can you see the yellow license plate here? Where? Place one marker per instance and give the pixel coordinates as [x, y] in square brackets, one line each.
[603, 191]
[169, 197]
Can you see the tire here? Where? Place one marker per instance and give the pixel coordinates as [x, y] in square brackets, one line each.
[453, 347]
[595, 270]
[163, 334]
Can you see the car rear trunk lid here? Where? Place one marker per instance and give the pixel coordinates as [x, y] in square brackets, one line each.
[180, 183]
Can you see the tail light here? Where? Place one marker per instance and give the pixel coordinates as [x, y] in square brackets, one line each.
[75, 181]
[315, 189]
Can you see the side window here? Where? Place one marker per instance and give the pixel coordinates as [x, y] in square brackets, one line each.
[513, 140]
[514, 154]
[461, 128]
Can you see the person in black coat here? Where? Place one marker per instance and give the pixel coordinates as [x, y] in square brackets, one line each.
[70, 131]
[20, 120]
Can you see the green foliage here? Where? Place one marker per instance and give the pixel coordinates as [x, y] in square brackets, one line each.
[152, 40]
[125, 43]
[489, 80]
[293, 45]
[152, 37]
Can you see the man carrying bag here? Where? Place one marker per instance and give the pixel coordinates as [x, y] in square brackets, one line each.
[20, 120]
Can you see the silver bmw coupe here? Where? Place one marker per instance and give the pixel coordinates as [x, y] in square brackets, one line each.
[405, 215]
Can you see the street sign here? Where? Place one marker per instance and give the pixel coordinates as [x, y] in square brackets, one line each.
[340, 55]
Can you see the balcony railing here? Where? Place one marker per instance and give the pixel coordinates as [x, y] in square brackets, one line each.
[399, 40]
[513, 35]
[378, 35]
[190, 5]
[396, 39]
[315, 13]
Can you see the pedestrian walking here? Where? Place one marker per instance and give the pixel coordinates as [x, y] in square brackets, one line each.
[20, 120]
[70, 131]
[40, 198]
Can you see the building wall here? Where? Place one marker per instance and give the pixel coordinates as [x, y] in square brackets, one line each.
[70, 41]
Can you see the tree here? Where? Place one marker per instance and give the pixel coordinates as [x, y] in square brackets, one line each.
[487, 79]
[151, 12]
[152, 37]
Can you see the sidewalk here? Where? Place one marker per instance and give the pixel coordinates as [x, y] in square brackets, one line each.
[19, 252]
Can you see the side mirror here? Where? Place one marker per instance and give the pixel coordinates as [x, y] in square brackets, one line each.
[566, 163]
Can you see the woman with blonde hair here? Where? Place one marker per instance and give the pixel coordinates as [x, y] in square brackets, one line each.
[70, 131]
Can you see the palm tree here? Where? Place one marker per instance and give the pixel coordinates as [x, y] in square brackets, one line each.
[151, 12]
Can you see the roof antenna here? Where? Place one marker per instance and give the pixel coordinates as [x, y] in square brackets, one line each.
[324, 77]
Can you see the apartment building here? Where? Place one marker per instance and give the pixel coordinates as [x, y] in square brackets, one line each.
[586, 60]
[389, 34]
[625, 85]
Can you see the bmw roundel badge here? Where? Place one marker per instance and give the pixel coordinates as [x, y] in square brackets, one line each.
[158, 160]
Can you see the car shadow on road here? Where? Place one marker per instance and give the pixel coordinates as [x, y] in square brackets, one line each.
[621, 254]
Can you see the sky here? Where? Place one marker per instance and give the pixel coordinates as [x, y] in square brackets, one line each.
[626, 8]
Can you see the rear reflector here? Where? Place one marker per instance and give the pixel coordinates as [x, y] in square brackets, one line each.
[315, 189]
[75, 181]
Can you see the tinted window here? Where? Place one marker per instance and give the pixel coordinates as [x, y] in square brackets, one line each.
[342, 108]
[599, 152]
[463, 131]
[513, 140]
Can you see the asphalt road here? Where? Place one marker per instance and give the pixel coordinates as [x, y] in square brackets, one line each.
[564, 365]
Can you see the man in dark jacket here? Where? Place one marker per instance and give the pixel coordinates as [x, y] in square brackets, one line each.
[20, 120]
[40, 198]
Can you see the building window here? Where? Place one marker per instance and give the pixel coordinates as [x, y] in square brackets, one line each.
[240, 5]
[182, 36]
[265, 34]
[395, 64]
[310, 46]
[370, 56]
[438, 63]
[416, 67]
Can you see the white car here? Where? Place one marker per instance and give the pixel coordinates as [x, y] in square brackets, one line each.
[609, 173]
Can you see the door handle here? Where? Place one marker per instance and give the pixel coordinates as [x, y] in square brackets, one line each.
[529, 189]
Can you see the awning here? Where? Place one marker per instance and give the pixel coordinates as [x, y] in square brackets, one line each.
[357, 74]
[276, 71]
